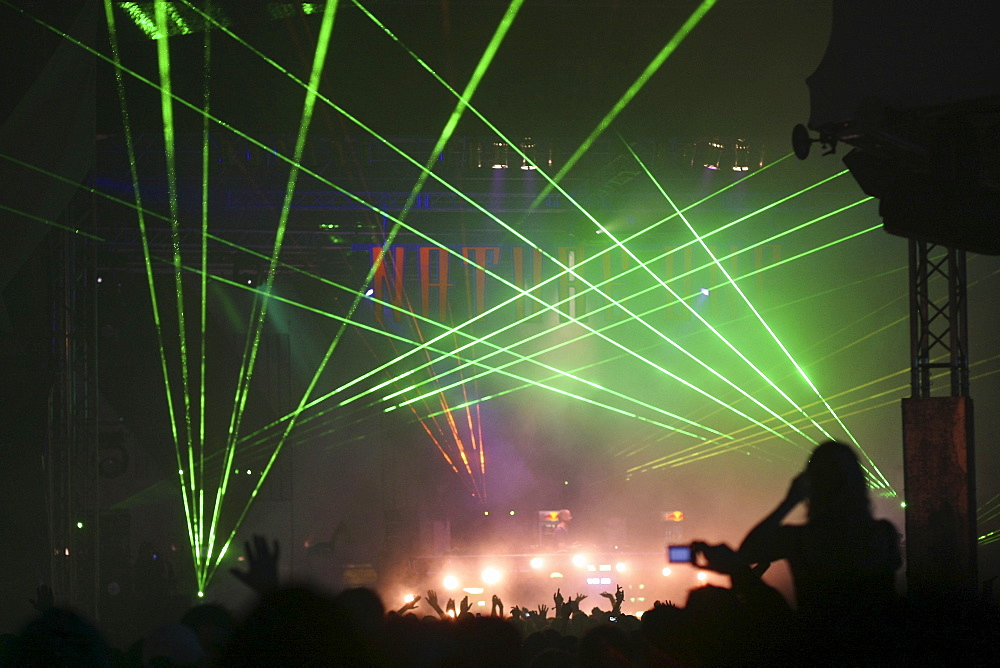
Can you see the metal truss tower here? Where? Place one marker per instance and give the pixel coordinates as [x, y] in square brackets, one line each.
[938, 430]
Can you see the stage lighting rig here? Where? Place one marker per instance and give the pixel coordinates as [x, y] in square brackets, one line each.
[500, 159]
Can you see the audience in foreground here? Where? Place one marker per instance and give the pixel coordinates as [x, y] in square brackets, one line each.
[842, 560]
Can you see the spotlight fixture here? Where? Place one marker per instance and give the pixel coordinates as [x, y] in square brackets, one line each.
[738, 155]
[715, 149]
[741, 156]
[499, 155]
[528, 150]
[490, 576]
[802, 142]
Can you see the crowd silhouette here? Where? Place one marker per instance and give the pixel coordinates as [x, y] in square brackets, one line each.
[846, 612]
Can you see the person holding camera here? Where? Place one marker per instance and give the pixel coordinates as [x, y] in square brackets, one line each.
[843, 560]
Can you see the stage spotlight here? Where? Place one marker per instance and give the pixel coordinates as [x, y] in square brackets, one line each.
[499, 155]
[741, 156]
[475, 591]
[579, 560]
[555, 574]
[491, 576]
[702, 576]
[666, 571]
[408, 598]
[621, 567]
[715, 150]
[450, 582]
[528, 149]
[537, 562]
[801, 141]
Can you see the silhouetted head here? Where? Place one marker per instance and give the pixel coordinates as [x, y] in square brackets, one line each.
[565, 515]
[837, 487]
[60, 637]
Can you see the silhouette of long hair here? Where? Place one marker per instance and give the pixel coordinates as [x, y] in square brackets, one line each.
[838, 493]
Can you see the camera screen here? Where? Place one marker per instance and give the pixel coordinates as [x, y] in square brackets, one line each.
[679, 554]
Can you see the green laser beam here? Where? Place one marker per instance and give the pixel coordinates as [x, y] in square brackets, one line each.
[736, 287]
[813, 297]
[206, 104]
[319, 59]
[503, 224]
[814, 250]
[538, 286]
[161, 349]
[249, 251]
[166, 105]
[677, 298]
[630, 94]
[446, 133]
[799, 256]
[743, 218]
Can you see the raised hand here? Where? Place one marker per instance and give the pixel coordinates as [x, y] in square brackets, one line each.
[262, 565]
[432, 600]
[559, 601]
[45, 600]
[611, 597]
[464, 606]
[798, 491]
[406, 607]
[616, 599]
[450, 607]
[719, 558]
[543, 610]
[497, 605]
